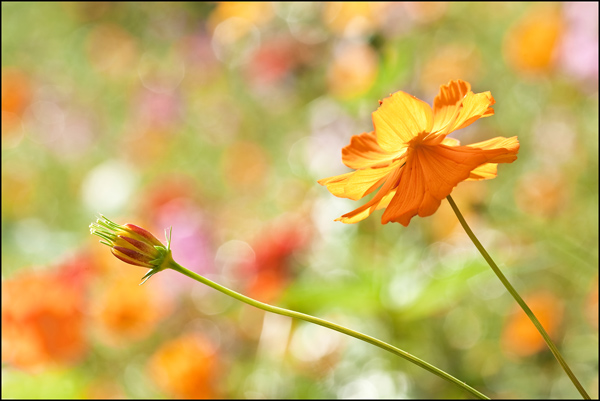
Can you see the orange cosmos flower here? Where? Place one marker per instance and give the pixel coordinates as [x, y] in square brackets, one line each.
[43, 319]
[409, 156]
[127, 312]
[519, 335]
[187, 367]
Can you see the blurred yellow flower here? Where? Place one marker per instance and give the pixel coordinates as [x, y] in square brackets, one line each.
[448, 61]
[19, 191]
[353, 70]
[410, 157]
[257, 13]
[112, 50]
[426, 12]
[364, 15]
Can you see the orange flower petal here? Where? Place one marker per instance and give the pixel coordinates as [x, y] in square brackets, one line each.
[451, 141]
[382, 196]
[336, 184]
[414, 196]
[474, 107]
[448, 102]
[364, 211]
[400, 118]
[510, 144]
[484, 172]
[357, 184]
[365, 181]
[364, 151]
[431, 172]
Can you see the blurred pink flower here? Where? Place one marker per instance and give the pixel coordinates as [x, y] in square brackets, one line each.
[201, 64]
[190, 242]
[579, 45]
[158, 110]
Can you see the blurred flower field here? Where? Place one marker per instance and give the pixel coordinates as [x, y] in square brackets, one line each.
[218, 119]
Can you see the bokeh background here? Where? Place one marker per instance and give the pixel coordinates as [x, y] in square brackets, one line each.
[217, 119]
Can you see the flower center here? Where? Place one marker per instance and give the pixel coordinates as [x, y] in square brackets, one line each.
[424, 139]
[418, 140]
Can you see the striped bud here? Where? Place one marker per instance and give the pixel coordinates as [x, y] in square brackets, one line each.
[130, 243]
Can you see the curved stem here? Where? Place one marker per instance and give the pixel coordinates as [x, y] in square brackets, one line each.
[321, 322]
[519, 300]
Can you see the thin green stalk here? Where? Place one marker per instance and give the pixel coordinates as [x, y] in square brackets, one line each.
[519, 300]
[285, 312]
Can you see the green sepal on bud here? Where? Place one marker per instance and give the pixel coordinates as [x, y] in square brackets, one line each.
[134, 245]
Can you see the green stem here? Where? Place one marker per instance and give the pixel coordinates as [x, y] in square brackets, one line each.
[519, 300]
[285, 312]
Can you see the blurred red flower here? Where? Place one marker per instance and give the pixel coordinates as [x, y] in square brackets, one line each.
[274, 248]
[273, 61]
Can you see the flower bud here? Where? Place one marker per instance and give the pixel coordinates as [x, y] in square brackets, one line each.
[132, 244]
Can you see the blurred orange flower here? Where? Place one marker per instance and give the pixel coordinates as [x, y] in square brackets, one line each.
[529, 46]
[520, 337]
[353, 71]
[16, 91]
[185, 367]
[127, 311]
[542, 193]
[591, 305]
[245, 164]
[451, 60]
[410, 157]
[364, 15]
[16, 96]
[42, 317]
